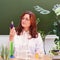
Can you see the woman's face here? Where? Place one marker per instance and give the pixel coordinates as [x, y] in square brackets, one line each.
[25, 21]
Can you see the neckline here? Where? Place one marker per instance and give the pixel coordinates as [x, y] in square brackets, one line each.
[24, 32]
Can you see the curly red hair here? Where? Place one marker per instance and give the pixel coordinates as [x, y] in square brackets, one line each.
[33, 26]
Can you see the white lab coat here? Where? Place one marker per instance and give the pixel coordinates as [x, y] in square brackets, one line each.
[23, 46]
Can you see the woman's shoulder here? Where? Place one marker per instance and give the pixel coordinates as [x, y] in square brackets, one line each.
[39, 38]
[39, 34]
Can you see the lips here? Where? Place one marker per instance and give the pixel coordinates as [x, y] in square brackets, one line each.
[23, 23]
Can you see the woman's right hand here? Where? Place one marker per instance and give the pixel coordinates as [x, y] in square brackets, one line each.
[12, 33]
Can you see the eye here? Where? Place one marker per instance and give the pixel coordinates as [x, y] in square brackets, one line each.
[27, 19]
[23, 18]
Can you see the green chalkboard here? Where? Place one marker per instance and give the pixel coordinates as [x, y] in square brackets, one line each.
[12, 9]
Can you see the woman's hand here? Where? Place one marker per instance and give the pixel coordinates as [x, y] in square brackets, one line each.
[12, 33]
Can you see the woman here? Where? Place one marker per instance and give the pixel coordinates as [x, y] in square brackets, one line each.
[27, 41]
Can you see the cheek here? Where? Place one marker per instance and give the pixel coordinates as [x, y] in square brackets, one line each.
[25, 23]
[28, 23]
